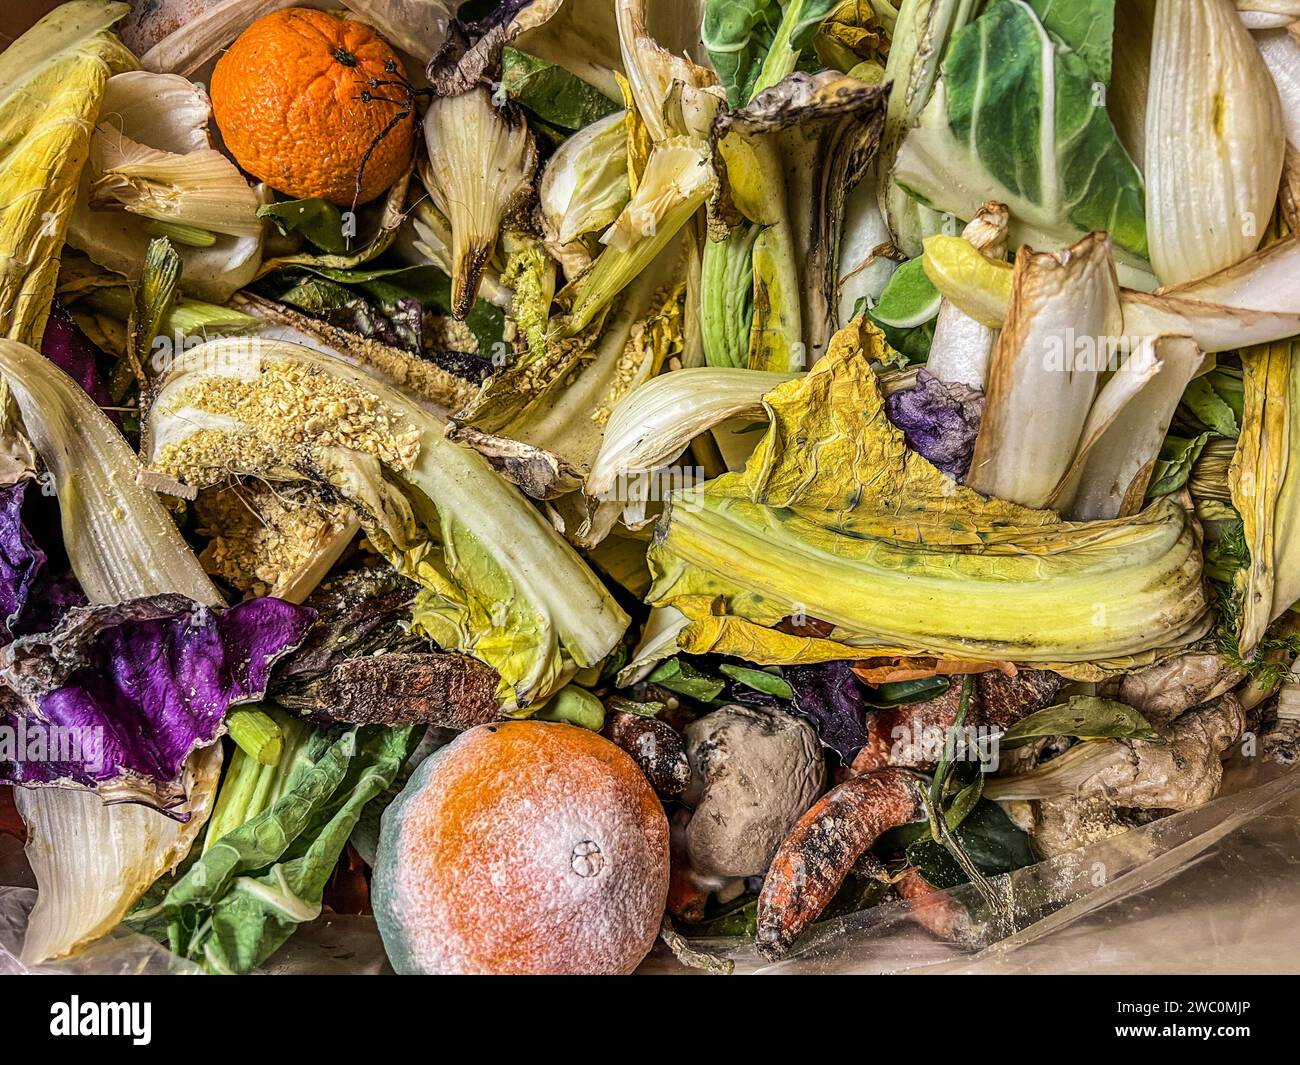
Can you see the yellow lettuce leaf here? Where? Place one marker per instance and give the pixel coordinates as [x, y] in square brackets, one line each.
[831, 449]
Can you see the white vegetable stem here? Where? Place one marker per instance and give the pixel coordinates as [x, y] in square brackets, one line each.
[1214, 140]
[1126, 427]
[960, 350]
[655, 423]
[1061, 328]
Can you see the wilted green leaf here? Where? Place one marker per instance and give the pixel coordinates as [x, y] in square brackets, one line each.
[317, 220]
[910, 299]
[1177, 456]
[759, 680]
[683, 678]
[1216, 400]
[1084, 717]
[551, 93]
[988, 836]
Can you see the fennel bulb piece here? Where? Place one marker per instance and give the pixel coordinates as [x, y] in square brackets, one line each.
[481, 161]
[584, 186]
[1214, 140]
[1126, 427]
[151, 160]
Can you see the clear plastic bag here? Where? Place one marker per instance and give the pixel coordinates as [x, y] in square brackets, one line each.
[1215, 889]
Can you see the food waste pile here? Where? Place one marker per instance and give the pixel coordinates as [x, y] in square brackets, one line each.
[562, 476]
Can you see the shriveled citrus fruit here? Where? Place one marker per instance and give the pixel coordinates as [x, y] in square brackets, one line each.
[297, 108]
[522, 847]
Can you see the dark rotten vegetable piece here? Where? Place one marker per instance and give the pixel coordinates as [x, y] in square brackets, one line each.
[824, 845]
[451, 690]
[655, 746]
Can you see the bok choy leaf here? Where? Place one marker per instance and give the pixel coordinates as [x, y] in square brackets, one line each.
[1017, 120]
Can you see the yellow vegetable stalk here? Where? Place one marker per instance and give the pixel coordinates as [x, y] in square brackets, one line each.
[853, 528]
[1265, 486]
[51, 83]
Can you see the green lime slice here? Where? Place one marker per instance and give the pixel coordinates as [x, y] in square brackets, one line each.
[910, 299]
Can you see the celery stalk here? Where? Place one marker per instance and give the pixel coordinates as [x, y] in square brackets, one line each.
[256, 733]
[251, 786]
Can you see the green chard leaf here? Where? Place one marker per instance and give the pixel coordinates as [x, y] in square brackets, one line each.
[1086, 27]
[987, 134]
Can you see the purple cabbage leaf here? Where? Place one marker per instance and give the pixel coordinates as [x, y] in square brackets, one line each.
[65, 345]
[21, 560]
[831, 698]
[939, 420]
[117, 697]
